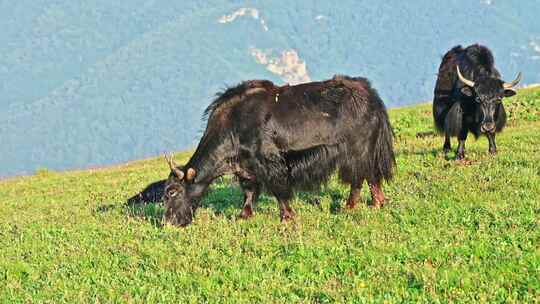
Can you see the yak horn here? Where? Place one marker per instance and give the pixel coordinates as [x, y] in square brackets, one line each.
[512, 84]
[466, 81]
[173, 166]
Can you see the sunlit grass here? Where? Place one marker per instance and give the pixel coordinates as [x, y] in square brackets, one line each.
[451, 232]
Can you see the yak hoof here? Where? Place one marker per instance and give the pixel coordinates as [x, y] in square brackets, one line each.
[246, 213]
[287, 215]
[377, 205]
[350, 205]
[493, 152]
[460, 156]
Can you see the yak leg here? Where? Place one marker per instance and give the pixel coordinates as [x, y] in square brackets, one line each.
[272, 167]
[354, 194]
[460, 154]
[251, 193]
[282, 191]
[447, 146]
[286, 213]
[283, 194]
[377, 195]
[492, 145]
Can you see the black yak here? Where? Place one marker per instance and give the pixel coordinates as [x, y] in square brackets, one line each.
[153, 193]
[468, 97]
[282, 139]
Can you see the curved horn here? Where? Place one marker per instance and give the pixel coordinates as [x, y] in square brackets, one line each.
[173, 166]
[509, 85]
[466, 81]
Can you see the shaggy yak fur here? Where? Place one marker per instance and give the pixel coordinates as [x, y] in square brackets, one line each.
[283, 139]
[472, 102]
[153, 193]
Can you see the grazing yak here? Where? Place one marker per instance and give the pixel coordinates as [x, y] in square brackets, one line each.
[282, 139]
[468, 97]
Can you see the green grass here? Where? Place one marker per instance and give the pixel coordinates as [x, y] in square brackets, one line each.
[451, 232]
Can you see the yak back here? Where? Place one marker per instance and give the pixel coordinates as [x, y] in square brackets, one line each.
[326, 97]
[477, 62]
[298, 117]
[232, 95]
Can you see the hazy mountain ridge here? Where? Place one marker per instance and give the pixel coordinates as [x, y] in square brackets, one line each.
[88, 85]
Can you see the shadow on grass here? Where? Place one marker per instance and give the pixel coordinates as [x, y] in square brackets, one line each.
[148, 204]
[337, 201]
[225, 199]
[335, 195]
[435, 153]
[105, 208]
[421, 152]
[150, 212]
[311, 199]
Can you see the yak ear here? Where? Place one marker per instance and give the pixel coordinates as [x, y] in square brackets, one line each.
[467, 91]
[509, 92]
[191, 173]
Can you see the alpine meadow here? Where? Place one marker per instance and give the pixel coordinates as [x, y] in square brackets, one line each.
[451, 231]
[85, 84]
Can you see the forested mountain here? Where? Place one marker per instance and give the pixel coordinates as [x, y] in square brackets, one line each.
[86, 83]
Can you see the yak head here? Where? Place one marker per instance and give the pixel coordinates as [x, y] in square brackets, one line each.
[178, 197]
[488, 93]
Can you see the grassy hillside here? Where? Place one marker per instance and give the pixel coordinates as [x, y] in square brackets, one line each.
[451, 232]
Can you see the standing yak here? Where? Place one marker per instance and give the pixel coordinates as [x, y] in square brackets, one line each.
[468, 97]
[282, 139]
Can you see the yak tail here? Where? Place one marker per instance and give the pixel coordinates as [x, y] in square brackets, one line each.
[383, 160]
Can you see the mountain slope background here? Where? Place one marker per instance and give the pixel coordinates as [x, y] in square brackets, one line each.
[87, 84]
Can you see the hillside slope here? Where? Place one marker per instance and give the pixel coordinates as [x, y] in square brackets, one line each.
[93, 83]
[458, 232]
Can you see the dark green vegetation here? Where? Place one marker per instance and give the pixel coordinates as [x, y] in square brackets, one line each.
[101, 82]
[451, 232]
